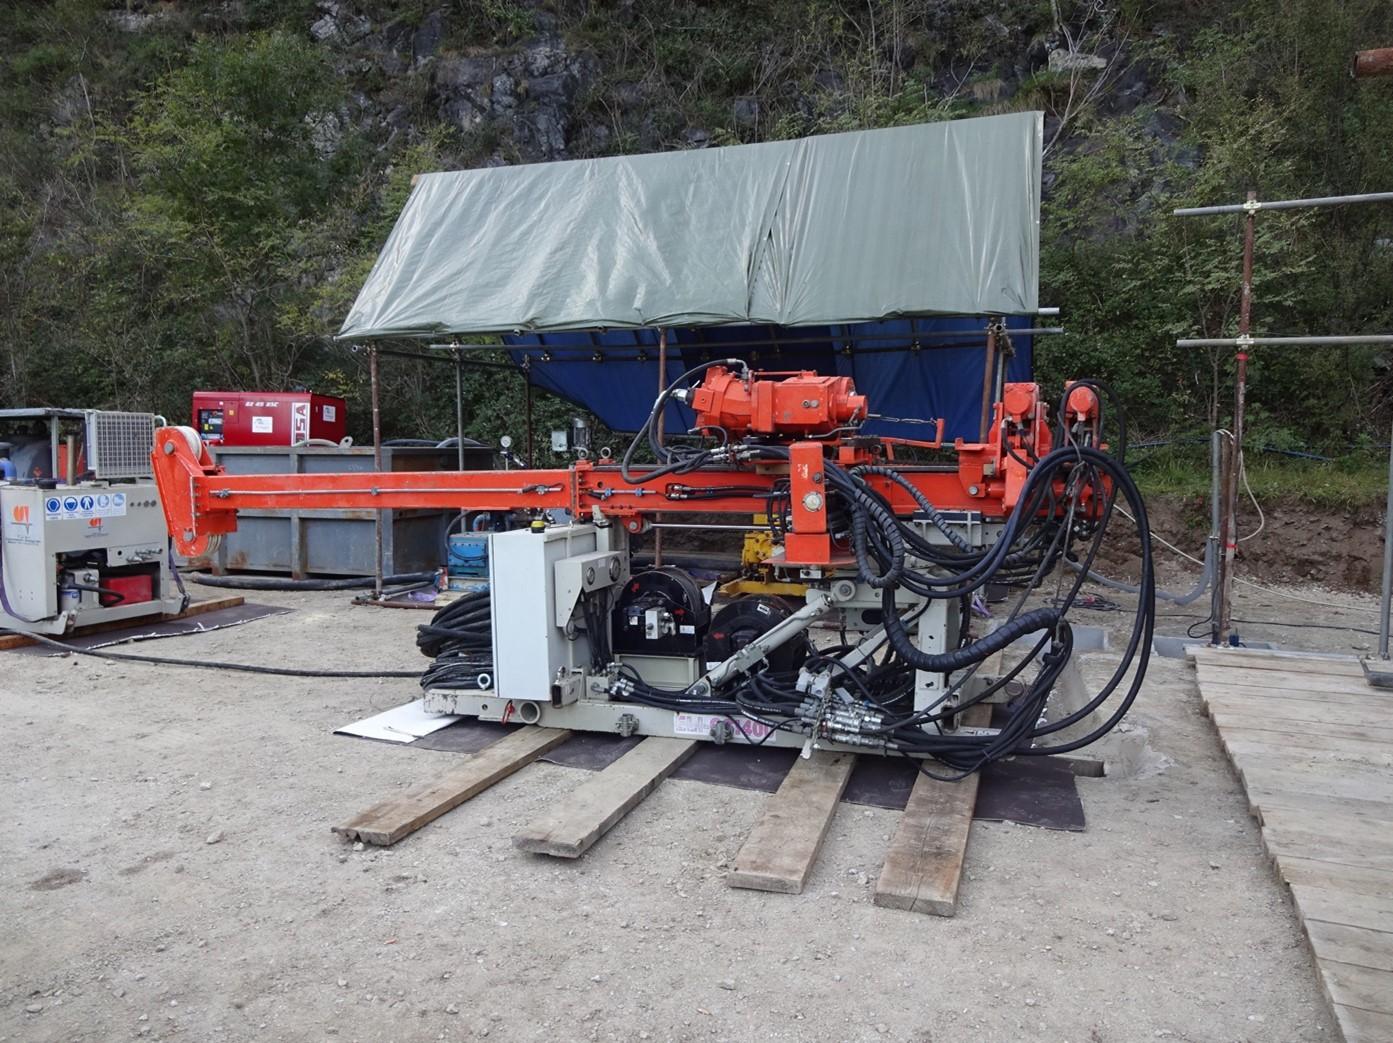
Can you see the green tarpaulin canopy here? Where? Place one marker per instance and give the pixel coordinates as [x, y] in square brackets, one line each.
[938, 218]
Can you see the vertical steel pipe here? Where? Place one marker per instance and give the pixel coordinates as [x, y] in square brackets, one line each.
[988, 381]
[527, 375]
[1386, 600]
[376, 466]
[1214, 544]
[662, 386]
[1222, 626]
[459, 431]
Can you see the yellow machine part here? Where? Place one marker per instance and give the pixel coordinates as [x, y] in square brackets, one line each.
[757, 577]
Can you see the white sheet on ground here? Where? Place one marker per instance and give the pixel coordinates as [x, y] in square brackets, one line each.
[405, 723]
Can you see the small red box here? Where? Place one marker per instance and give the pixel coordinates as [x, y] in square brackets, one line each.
[133, 589]
[268, 417]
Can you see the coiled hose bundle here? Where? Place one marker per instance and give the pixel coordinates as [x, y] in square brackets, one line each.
[459, 638]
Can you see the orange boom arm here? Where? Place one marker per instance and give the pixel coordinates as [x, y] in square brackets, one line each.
[201, 501]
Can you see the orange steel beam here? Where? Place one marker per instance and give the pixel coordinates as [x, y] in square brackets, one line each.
[201, 502]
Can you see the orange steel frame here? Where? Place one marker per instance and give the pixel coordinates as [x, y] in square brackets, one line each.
[201, 502]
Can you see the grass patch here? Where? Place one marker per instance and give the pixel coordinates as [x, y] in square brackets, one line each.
[1348, 482]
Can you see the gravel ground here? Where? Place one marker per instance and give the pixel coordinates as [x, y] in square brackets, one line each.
[170, 874]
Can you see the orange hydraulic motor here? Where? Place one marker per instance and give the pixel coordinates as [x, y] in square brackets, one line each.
[803, 403]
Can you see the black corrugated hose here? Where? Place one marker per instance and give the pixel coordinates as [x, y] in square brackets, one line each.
[459, 638]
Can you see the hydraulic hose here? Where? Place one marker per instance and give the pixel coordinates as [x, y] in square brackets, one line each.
[961, 658]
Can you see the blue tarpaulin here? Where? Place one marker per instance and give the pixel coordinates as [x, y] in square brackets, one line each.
[910, 368]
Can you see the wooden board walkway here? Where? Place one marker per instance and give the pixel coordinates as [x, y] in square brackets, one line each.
[1313, 746]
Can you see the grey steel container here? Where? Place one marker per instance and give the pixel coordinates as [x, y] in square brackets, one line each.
[338, 542]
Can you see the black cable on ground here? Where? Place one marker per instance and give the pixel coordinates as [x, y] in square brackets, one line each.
[211, 664]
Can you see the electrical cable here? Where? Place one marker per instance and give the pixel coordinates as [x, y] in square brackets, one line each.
[210, 664]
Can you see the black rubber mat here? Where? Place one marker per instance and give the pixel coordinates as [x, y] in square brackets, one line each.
[1032, 791]
[218, 619]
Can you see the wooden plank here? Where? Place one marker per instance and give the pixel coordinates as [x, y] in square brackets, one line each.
[923, 866]
[1358, 849]
[1353, 986]
[197, 608]
[1343, 907]
[1255, 659]
[1270, 774]
[1357, 945]
[1317, 747]
[1334, 876]
[778, 854]
[1305, 673]
[1338, 817]
[388, 821]
[1249, 721]
[588, 812]
[1363, 1026]
[1317, 690]
[1290, 709]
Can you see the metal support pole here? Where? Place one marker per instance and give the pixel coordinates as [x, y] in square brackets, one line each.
[376, 466]
[1214, 543]
[459, 430]
[1281, 204]
[1341, 340]
[988, 380]
[527, 375]
[1221, 625]
[1386, 600]
[662, 386]
[459, 411]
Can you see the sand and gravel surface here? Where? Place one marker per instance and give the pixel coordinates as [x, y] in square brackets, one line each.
[168, 872]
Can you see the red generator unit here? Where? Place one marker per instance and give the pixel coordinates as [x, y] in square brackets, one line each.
[268, 417]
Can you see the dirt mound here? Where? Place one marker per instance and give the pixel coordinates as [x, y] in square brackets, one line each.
[1298, 543]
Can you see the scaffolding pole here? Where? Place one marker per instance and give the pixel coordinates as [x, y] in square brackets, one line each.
[1222, 614]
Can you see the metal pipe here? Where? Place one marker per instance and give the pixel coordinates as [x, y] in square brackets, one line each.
[1378, 62]
[376, 466]
[70, 459]
[54, 441]
[1386, 599]
[527, 375]
[713, 526]
[988, 376]
[421, 356]
[922, 335]
[1216, 520]
[1279, 342]
[1219, 627]
[658, 429]
[1282, 204]
[459, 432]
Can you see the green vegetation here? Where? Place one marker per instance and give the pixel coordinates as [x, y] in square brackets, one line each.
[192, 194]
[1354, 480]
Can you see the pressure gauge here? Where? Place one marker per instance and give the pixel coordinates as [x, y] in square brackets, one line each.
[506, 442]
